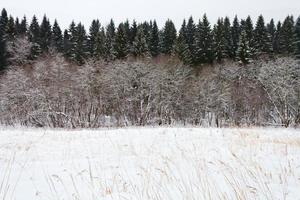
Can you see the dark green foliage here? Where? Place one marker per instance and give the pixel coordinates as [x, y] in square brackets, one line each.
[81, 48]
[244, 51]
[34, 38]
[11, 29]
[169, 35]
[286, 36]
[235, 32]
[204, 43]
[182, 47]
[110, 53]
[140, 47]
[277, 47]
[190, 34]
[22, 30]
[271, 28]
[261, 37]
[154, 40]
[219, 40]
[297, 38]
[228, 43]
[45, 34]
[121, 47]
[66, 44]
[3, 40]
[248, 28]
[57, 38]
[93, 34]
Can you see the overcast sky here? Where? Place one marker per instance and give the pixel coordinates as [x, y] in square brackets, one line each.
[85, 10]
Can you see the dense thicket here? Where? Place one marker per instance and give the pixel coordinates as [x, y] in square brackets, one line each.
[194, 44]
[223, 74]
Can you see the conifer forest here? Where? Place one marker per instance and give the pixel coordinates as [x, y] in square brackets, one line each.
[235, 72]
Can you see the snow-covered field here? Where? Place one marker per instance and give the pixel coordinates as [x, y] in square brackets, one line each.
[150, 163]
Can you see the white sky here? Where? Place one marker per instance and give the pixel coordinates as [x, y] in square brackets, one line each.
[86, 10]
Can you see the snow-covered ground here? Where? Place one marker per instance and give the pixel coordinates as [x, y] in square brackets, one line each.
[150, 163]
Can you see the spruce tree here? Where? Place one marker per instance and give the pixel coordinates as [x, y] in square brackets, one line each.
[286, 36]
[72, 42]
[133, 32]
[45, 34]
[93, 34]
[57, 38]
[219, 40]
[11, 29]
[204, 44]
[154, 40]
[23, 26]
[121, 47]
[110, 53]
[277, 47]
[261, 37]
[81, 49]
[228, 44]
[168, 37]
[34, 38]
[182, 47]
[249, 29]
[140, 47]
[297, 38]
[244, 51]
[271, 28]
[190, 35]
[4, 21]
[235, 32]
[3, 40]
[66, 44]
[100, 44]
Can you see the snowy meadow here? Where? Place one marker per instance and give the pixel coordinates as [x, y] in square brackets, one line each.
[149, 163]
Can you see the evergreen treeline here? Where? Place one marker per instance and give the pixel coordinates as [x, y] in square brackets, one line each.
[195, 43]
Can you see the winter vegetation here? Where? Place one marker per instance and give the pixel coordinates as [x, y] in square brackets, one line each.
[135, 74]
[150, 163]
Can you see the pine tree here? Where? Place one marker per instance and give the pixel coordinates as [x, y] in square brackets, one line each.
[297, 38]
[121, 47]
[140, 47]
[45, 34]
[286, 36]
[244, 52]
[110, 53]
[154, 40]
[261, 37]
[57, 39]
[219, 40]
[271, 28]
[228, 44]
[169, 35]
[34, 38]
[235, 32]
[182, 47]
[93, 34]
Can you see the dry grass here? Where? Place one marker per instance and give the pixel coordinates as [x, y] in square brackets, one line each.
[188, 164]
